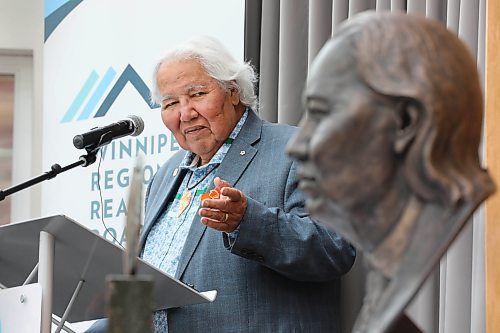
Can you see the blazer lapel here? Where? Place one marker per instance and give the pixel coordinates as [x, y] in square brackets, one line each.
[232, 167]
[242, 150]
[193, 239]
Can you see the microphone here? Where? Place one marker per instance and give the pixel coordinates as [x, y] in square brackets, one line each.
[101, 136]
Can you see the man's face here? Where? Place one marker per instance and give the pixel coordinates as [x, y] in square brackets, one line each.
[345, 142]
[195, 108]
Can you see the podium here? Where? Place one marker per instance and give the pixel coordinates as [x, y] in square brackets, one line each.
[72, 264]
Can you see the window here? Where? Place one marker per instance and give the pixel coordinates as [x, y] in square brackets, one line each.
[6, 126]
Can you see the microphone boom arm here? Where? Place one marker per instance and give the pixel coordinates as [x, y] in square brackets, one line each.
[55, 169]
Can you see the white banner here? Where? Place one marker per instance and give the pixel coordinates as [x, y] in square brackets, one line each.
[99, 57]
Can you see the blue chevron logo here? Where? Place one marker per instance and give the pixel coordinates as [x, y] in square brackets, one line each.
[55, 12]
[95, 89]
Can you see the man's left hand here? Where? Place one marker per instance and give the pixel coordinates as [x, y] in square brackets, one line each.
[225, 213]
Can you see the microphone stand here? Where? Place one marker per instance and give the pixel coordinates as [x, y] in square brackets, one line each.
[84, 160]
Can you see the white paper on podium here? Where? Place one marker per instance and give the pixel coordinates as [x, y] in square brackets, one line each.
[20, 309]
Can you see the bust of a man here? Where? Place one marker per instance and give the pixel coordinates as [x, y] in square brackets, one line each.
[389, 150]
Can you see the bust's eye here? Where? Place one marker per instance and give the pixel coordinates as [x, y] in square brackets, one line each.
[317, 108]
[318, 112]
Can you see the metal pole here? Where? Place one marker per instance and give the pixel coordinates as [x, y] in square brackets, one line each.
[32, 275]
[46, 278]
[66, 328]
[70, 304]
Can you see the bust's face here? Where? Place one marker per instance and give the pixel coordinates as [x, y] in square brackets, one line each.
[345, 142]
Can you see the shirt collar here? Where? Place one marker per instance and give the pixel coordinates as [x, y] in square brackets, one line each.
[190, 160]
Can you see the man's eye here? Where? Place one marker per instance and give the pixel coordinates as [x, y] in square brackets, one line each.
[198, 94]
[169, 105]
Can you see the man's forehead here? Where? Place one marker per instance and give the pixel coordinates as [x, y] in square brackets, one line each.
[185, 89]
[195, 86]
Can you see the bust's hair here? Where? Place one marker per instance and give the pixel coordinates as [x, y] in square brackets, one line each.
[410, 57]
[217, 62]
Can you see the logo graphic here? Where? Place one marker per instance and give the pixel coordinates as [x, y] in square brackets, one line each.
[89, 109]
[55, 12]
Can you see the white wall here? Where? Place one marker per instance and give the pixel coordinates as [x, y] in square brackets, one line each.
[21, 35]
[21, 24]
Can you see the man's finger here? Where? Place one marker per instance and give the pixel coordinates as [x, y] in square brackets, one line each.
[221, 183]
[214, 214]
[217, 204]
[217, 225]
[232, 193]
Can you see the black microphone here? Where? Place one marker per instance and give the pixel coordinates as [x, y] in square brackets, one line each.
[101, 136]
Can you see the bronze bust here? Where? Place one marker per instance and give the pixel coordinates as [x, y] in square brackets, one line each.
[388, 150]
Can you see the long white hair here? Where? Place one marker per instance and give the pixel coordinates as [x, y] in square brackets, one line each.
[218, 63]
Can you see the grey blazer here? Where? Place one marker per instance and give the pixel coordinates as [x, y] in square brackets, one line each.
[282, 272]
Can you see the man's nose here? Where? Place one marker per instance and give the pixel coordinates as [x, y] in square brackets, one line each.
[187, 110]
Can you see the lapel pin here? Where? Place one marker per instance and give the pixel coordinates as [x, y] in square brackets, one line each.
[242, 152]
[176, 171]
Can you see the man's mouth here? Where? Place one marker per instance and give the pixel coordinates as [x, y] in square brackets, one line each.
[193, 130]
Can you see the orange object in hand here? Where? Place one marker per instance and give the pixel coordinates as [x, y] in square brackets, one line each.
[212, 194]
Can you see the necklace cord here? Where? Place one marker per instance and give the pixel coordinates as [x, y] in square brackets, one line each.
[189, 188]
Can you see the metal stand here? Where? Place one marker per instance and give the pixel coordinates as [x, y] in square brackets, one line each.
[60, 324]
[45, 270]
[70, 305]
[84, 160]
[45, 266]
[46, 278]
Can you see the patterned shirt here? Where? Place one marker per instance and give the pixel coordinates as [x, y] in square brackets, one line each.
[166, 238]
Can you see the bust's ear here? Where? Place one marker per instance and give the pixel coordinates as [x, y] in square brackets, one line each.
[409, 113]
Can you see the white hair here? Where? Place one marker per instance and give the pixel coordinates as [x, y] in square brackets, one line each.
[218, 63]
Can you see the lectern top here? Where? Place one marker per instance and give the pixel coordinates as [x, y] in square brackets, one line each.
[80, 254]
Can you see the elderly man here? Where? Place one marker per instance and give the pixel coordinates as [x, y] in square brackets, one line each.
[389, 149]
[274, 268]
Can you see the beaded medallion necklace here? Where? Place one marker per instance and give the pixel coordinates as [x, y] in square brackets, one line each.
[186, 197]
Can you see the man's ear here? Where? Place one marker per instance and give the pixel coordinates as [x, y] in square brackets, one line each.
[409, 114]
[235, 95]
